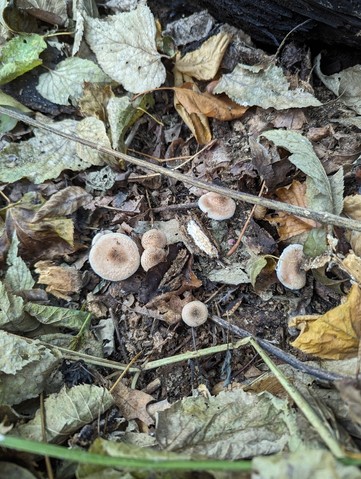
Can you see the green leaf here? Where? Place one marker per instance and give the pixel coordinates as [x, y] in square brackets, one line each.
[6, 122]
[20, 55]
[56, 316]
[18, 276]
[265, 87]
[11, 308]
[322, 193]
[66, 81]
[316, 243]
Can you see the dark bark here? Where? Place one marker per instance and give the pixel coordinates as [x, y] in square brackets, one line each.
[269, 21]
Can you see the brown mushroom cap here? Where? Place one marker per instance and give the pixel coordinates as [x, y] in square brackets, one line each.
[288, 270]
[151, 257]
[114, 256]
[216, 206]
[154, 238]
[195, 313]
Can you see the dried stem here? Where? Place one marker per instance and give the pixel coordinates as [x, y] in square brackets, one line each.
[325, 218]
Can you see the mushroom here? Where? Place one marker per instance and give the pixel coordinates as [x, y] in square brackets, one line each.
[114, 256]
[216, 206]
[288, 270]
[154, 238]
[195, 313]
[151, 257]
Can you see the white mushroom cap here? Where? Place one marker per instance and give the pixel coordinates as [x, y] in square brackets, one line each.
[151, 257]
[288, 270]
[154, 238]
[216, 206]
[195, 313]
[114, 256]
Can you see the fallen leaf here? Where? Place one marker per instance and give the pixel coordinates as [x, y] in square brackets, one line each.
[54, 13]
[19, 55]
[61, 281]
[125, 47]
[316, 243]
[42, 157]
[233, 425]
[64, 202]
[24, 368]
[351, 394]
[66, 412]
[344, 84]
[204, 62]
[6, 122]
[256, 264]
[64, 84]
[323, 193]
[288, 225]
[352, 265]
[218, 107]
[352, 207]
[132, 403]
[94, 100]
[335, 334]
[305, 463]
[94, 130]
[196, 122]
[265, 87]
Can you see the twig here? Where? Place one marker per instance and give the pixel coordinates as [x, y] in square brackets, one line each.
[245, 226]
[326, 218]
[287, 358]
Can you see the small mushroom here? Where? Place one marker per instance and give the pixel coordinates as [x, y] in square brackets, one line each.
[114, 256]
[151, 257]
[195, 313]
[216, 206]
[288, 270]
[154, 238]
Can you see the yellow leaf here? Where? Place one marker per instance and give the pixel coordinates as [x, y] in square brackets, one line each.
[204, 63]
[335, 334]
[352, 206]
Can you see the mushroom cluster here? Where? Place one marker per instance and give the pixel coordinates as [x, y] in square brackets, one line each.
[216, 206]
[154, 242]
[114, 256]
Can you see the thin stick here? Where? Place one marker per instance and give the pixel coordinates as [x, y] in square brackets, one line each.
[125, 371]
[250, 216]
[326, 218]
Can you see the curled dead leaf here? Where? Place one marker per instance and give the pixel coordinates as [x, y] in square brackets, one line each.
[335, 334]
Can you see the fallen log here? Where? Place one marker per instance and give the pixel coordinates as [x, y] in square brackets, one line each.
[269, 21]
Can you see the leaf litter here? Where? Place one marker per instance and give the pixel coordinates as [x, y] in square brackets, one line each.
[67, 335]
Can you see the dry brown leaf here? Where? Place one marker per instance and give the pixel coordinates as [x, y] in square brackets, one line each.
[132, 403]
[288, 225]
[335, 334]
[352, 265]
[62, 281]
[204, 63]
[352, 207]
[219, 107]
[196, 122]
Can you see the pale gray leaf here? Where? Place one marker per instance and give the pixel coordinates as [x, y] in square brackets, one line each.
[42, 157]
[265, 87]
[232, 425]
[24, 368]
[57, 316]
[346, 84]
[337, 188]
[64, 84]
[125, 47]
[66, 412]
[18, 276]
[11, 308]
